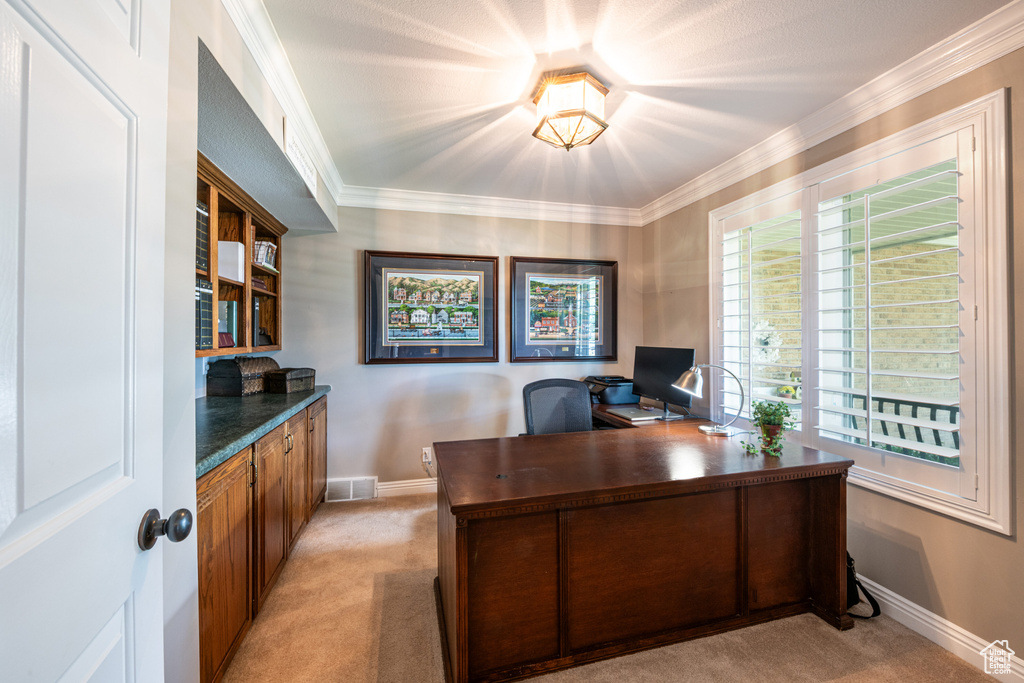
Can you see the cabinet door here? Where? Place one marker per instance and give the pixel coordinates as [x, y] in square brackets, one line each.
[317, 419]
[271, 512]
[297, 475]
[224, 533]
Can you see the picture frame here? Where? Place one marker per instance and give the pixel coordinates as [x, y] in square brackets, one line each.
[430, 308]
[563, 310]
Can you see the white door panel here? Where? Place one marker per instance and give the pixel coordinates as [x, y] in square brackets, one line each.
[106, 657]
[124, 15]
[88, 259]
[83, 87]
[99, 31]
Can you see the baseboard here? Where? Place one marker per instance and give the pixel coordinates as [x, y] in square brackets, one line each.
[942, 632]
[406, 487]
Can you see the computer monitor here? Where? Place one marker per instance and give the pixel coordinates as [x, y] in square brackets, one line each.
[654, 370]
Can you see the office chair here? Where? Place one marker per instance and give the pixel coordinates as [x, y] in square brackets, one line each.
[553, 406]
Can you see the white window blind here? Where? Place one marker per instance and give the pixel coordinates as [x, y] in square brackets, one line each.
[891, 251]
[761, 329]
[889, 302]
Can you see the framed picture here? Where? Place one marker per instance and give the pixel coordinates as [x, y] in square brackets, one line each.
[430, 308]
[563, 310]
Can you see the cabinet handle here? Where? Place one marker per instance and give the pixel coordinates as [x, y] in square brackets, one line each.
[291, 442]
[255, 472]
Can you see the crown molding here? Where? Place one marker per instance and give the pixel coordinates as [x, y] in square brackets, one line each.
[987, 39]
[259, 35]
[495, 207]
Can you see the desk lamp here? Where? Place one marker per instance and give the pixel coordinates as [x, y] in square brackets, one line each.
[692, 382]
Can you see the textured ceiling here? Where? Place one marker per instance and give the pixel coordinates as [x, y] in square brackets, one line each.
[435, 95]
[234, 139]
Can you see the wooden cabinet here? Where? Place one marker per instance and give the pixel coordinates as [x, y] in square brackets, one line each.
[298, 471]
[316, 417]
[271, 511]
[251, 509]
[241, 309]
[224, 522]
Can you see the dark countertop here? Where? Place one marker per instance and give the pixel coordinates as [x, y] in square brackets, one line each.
[227, 424]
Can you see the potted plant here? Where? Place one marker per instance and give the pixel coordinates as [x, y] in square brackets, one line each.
[772, 420]
[787, 392]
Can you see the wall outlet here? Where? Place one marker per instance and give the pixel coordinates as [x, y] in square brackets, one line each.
[428, 454]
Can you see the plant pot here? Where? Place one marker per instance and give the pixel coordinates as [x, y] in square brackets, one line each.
[769, 433]
[786, 396]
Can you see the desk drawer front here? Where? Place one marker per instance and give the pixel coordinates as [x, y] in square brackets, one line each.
[641, 568]
[779, 537]
[512, 591]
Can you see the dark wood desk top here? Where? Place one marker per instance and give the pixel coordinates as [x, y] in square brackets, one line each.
[591, 467]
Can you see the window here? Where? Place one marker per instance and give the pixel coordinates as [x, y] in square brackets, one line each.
[871, 295]
[761, 325]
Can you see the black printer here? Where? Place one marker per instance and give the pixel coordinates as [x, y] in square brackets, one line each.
[611, 389]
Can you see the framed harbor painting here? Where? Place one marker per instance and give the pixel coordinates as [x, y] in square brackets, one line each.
[430, 308]
[563, 310]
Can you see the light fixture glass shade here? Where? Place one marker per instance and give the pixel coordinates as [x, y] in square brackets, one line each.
[570, 110]
[691, 381]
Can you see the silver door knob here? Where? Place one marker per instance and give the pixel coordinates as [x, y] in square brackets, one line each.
[176, 527]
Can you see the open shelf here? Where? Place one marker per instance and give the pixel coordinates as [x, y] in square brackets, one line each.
[238, 230]
[264, 269]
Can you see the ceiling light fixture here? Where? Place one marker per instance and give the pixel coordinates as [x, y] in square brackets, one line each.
[570, 110]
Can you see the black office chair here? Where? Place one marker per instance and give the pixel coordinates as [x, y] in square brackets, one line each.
[553, 406]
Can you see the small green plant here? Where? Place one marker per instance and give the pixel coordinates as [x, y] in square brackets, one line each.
[769, 414]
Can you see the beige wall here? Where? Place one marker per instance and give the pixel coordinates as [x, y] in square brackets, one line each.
[380, 416]
[967, 575]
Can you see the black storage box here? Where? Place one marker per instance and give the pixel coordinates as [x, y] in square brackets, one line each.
[238, 376]
[287, 380]
[611, 389]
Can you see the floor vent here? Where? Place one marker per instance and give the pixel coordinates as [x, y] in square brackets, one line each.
[356, 488]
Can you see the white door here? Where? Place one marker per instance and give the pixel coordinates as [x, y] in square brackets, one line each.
[83, 89]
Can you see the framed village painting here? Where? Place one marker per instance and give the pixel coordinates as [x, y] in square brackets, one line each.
[563, 310]
[430, 308]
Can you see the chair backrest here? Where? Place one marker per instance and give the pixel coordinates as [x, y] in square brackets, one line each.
[553, 406]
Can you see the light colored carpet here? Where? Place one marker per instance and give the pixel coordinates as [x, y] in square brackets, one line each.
[355, 604]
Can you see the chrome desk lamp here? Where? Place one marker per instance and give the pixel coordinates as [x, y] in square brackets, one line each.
[692, 382]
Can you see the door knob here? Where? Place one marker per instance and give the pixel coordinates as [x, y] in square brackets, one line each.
[176, 527]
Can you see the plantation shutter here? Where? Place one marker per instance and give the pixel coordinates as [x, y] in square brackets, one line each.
[888, 254]
[760, 320]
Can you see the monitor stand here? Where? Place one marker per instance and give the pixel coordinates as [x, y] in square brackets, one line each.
[667, 416]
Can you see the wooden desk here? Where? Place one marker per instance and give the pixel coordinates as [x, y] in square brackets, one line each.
[563, 549]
